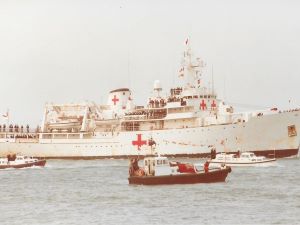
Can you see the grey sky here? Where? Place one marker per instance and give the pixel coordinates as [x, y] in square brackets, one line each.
[71, 51]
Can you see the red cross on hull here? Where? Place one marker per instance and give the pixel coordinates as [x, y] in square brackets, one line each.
[139, 142]
[115, 99]
[203, 105]
[213, 105]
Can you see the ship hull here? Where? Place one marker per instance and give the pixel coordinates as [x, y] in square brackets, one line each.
[265, 136]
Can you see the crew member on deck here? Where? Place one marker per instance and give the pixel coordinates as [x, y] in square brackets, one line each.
[11, 128]
[206, 167]
[151, 142]
[213, 153]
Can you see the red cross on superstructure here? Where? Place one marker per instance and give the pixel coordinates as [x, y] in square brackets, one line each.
[203, 105]
[115, 99]
[213, 104]
[139, 142]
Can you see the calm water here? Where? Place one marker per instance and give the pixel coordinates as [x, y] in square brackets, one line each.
[97, 192]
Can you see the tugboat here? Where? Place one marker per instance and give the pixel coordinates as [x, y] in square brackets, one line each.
[158, 171]
[19, 161]
[244, 159]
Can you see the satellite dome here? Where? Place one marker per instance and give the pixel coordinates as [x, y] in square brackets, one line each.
[157, 85]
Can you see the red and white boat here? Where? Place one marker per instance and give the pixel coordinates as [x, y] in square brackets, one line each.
[158, 171]
[18, 161]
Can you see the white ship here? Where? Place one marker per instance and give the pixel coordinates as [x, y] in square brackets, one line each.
[189, 121]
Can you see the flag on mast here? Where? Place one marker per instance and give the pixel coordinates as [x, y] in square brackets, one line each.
[186, 41]
[181, 72]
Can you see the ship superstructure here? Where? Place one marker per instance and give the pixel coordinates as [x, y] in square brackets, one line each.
[189, 121]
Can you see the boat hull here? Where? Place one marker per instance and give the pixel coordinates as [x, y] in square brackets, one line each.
[188, 178]
[40, 163]
[265, 163]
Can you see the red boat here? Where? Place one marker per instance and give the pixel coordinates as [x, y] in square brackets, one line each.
[158, 171]
[18, 161]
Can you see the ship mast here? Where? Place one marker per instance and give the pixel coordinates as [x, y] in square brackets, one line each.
[213, 81]
[191, 70]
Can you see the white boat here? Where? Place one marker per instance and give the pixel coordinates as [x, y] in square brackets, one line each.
[244, 159]
[187, 121]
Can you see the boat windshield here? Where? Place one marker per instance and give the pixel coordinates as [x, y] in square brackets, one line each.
[161, 162]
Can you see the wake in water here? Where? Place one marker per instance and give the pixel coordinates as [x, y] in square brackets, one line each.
[25, 168]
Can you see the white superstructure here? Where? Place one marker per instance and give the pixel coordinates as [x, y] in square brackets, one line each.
[188, 122]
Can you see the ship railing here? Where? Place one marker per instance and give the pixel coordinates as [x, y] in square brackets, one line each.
[66, 135]
[181, 109]
[14, 135]
[45, 135]
[145, 117]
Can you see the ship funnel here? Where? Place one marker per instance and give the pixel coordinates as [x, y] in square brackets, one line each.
[118, 98]
[157, 88]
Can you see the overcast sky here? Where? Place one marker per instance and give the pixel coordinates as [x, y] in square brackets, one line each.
[70, 51]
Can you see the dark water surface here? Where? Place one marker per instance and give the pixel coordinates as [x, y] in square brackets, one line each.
[97, 192]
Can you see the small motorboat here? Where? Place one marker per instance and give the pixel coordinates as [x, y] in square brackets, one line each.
[243, 159]
[158, 171]
[19, 161]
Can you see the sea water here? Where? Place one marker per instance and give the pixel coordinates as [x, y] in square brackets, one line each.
[97, 192]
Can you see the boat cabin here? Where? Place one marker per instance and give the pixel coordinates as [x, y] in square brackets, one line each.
[157, 166]
[223, 156]
[252, 157]
[248, 155]
[20, 158]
